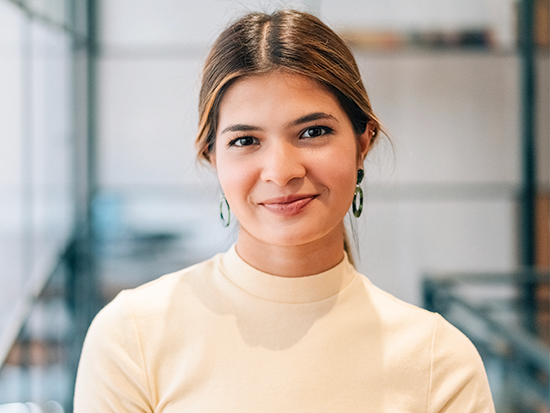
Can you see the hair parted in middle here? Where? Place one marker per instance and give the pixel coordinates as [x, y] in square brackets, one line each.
[288, 40]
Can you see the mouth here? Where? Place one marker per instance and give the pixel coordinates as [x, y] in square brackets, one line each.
[288, 205]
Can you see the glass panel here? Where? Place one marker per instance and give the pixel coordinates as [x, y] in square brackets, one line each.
[35, 160]
[50, 145]
[11, 159]
[36, 199]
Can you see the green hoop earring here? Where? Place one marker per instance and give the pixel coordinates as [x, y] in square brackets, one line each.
[358, 209]
[223, 201]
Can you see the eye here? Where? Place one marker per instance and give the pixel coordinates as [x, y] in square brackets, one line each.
[316, 131]
[244, 141]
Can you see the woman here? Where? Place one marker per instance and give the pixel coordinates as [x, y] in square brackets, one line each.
[282, 322]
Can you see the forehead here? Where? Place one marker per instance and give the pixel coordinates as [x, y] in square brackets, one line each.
[276, 95]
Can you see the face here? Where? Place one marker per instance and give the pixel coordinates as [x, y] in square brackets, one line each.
[287, 158]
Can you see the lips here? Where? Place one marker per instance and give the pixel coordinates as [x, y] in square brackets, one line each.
[288, 205]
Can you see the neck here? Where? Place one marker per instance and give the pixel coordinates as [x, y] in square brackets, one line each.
[292, 260]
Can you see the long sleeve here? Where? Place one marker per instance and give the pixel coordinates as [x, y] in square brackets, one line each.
[458, 382]
[112, 376]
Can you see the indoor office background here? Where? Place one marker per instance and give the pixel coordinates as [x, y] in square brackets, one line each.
[100, 190]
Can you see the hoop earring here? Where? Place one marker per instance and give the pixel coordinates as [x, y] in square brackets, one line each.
[357, 210]
[223, 201]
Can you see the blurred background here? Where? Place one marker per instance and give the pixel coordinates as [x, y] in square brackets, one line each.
[100, 190]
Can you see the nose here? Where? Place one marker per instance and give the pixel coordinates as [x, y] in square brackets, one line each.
[282, 163]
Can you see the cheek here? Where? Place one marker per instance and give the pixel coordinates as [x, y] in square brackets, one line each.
[345, 180]
[236, 181]
[340, 170]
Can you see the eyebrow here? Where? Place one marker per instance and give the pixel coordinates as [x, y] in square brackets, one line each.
[239, 127]
[311, 117]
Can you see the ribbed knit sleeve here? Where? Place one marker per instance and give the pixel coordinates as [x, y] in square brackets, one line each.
[458, 382]
[111, 375]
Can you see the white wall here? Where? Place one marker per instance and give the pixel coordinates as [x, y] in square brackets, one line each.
[445, 203]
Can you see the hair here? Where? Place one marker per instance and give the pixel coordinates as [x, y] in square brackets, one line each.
[288, 40]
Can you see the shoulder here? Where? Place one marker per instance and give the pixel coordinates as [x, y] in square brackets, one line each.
[156, 295]
[145, 305]
[455, 373]
[417, 328]
[453, 355]
[125, 330]
[115, 371]
[398, 314]
[405, 316]
[457, 381]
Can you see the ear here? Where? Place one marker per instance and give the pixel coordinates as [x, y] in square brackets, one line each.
[212, 160]
[365, 140]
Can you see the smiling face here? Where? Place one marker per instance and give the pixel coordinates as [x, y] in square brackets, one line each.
[287, 159]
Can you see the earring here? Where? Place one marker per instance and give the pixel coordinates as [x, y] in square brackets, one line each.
[358, 191]
[223, 201]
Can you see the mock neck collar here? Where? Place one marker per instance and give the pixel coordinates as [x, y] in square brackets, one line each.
[293, 290]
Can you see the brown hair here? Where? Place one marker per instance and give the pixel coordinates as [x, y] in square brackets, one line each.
[290, 40]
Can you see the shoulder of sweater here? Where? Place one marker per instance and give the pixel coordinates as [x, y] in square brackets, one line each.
[154, 297]
[443, 332]
[388, 303]
[406, 317]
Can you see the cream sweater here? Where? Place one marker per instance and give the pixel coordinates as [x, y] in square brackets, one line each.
[222, 336]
